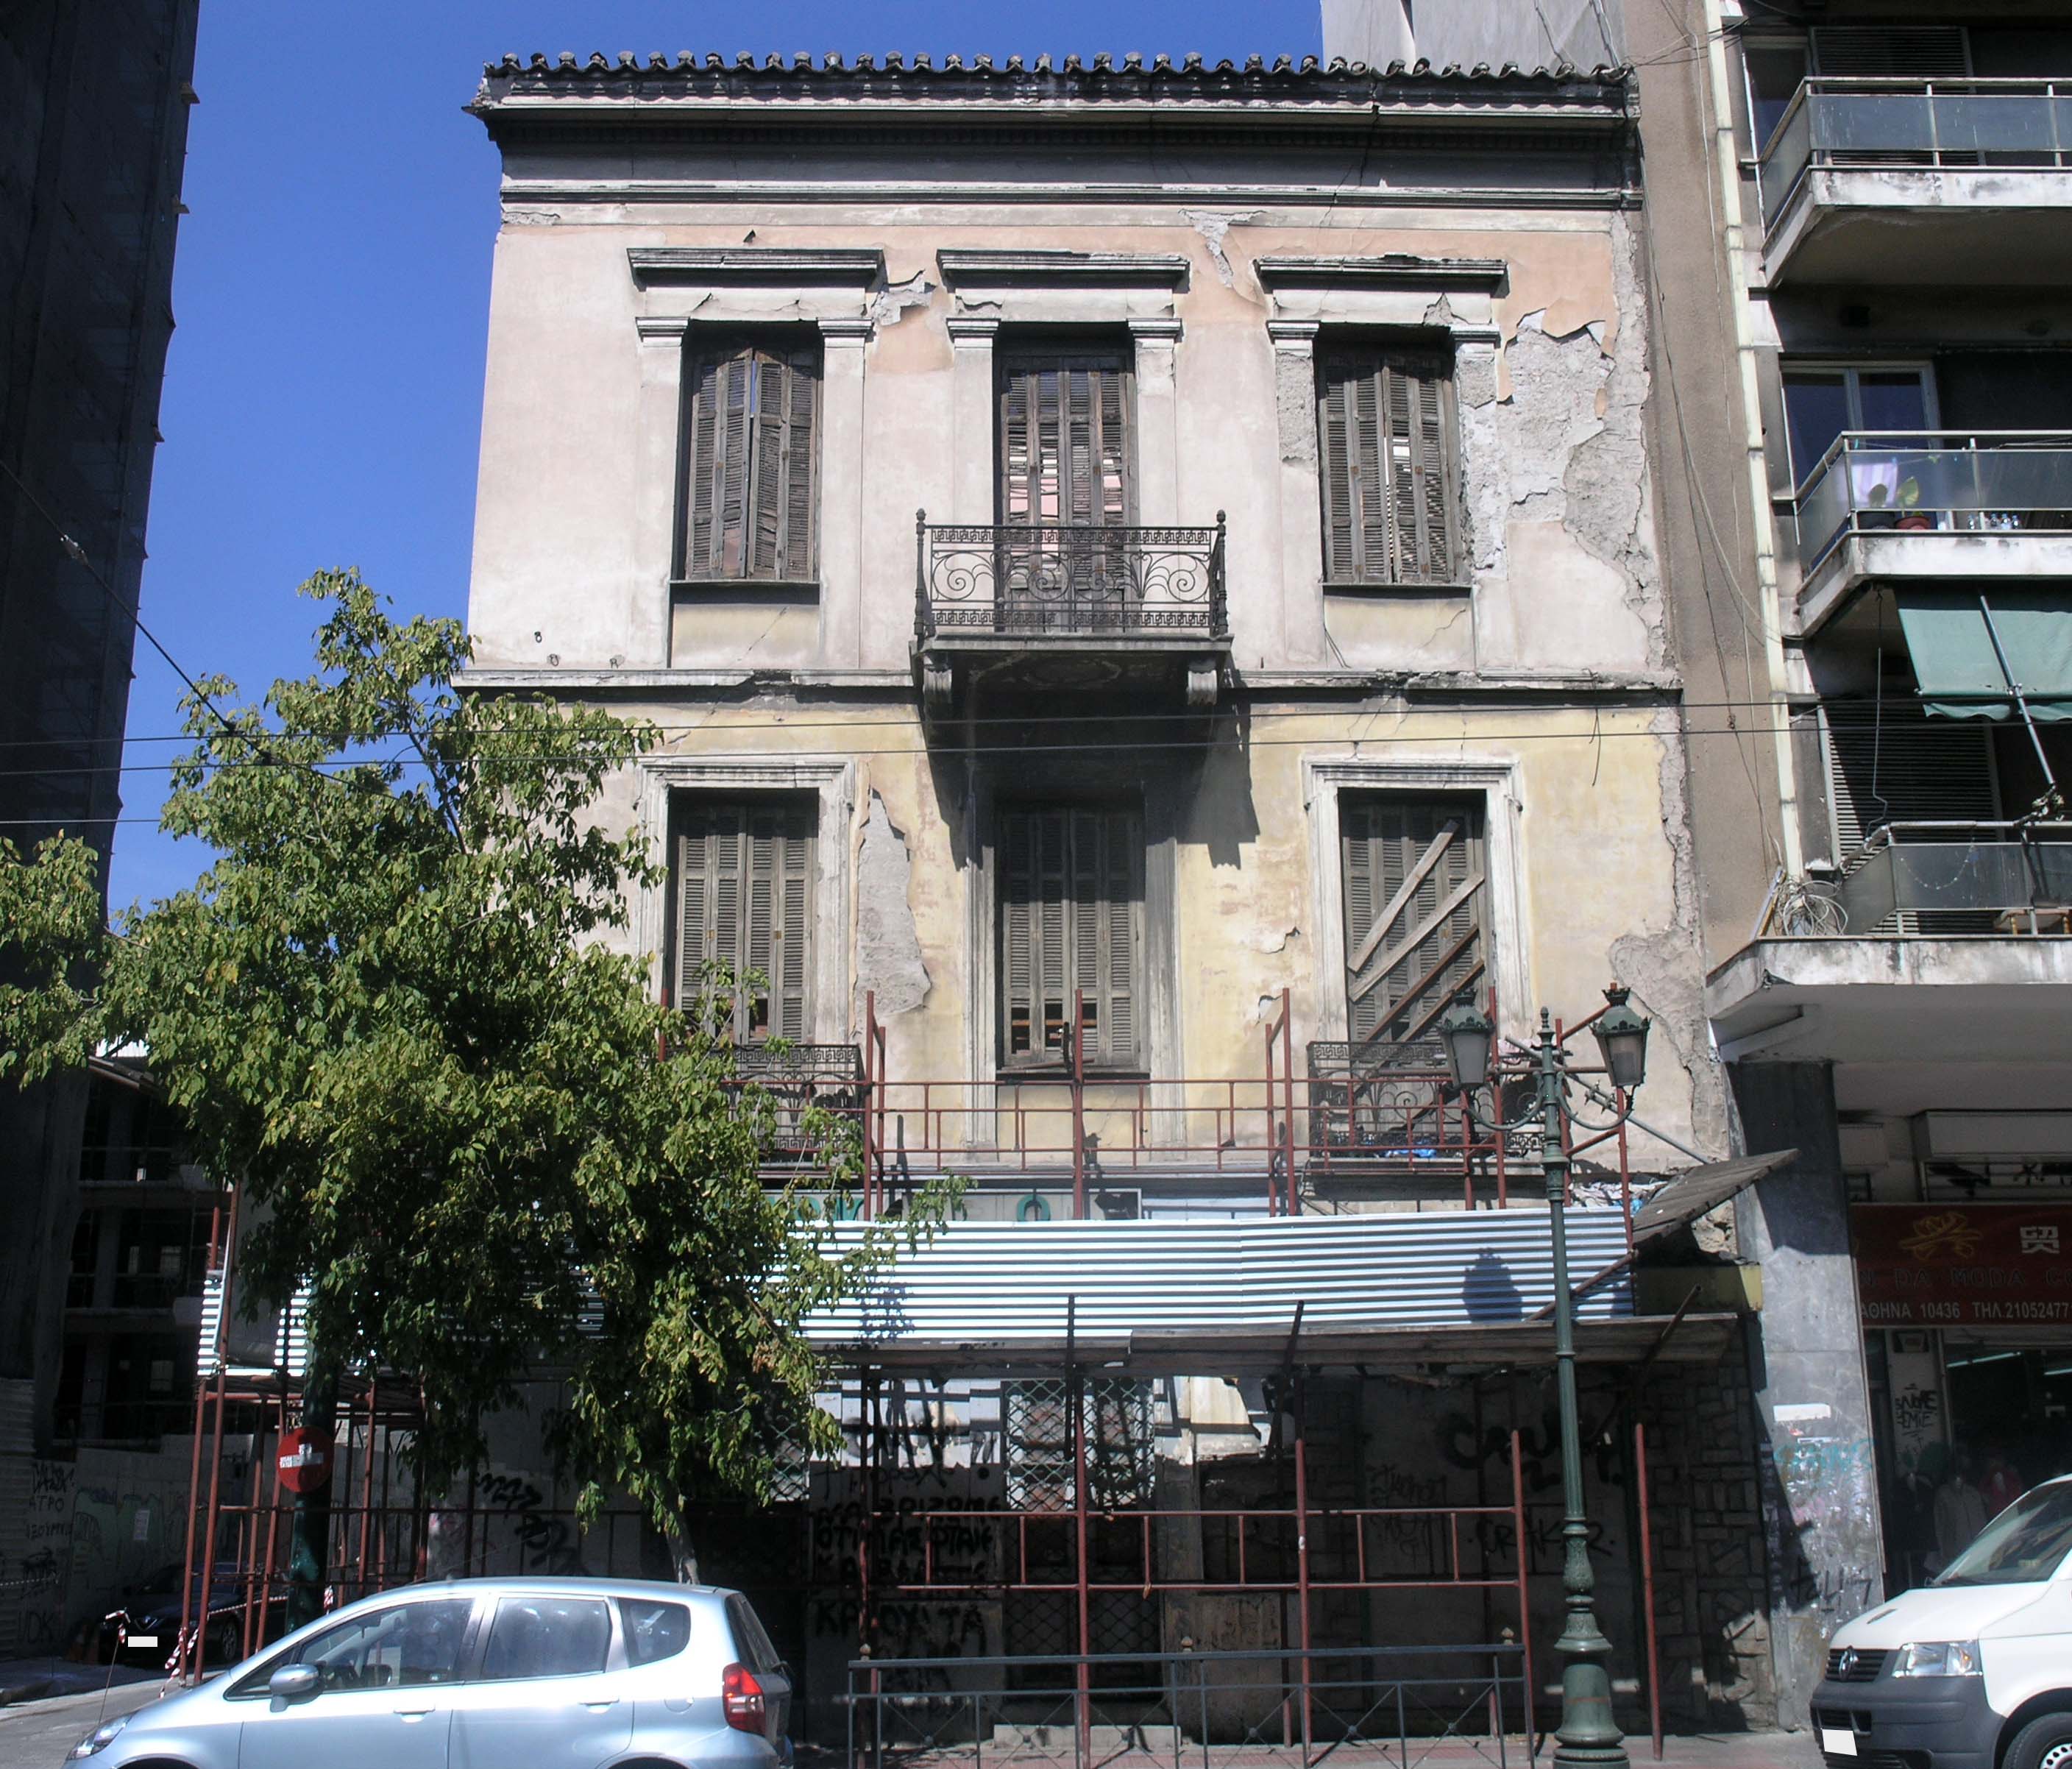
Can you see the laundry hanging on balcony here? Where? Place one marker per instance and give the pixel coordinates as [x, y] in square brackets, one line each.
[1980, 654]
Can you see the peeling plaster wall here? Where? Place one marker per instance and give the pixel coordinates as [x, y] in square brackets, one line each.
[888, 963]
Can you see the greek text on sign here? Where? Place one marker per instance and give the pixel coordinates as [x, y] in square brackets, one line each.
[304, 1460]
[1943, 1264]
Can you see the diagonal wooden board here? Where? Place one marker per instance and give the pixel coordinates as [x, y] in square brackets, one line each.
[1404, 892]
[1363, 986]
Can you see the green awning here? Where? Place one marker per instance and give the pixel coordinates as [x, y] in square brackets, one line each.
[1956, 664]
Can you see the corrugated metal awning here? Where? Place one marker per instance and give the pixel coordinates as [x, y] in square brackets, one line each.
[1000, 1283]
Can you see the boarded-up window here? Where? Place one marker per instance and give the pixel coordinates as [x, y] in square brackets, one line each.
[1072, 925]
[1064, 438]
[744, 878]
[751, 460]
[1385, 422]
[1415, 898]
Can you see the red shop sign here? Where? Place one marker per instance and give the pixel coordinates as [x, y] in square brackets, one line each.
[1961, 1264]
[304, 1459]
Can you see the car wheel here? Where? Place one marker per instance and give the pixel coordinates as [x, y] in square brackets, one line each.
[220, 1645]
[2044, 1743]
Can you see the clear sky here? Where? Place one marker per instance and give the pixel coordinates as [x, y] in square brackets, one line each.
[323, 394]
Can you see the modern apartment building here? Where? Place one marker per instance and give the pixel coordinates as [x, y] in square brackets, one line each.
[1147, 574]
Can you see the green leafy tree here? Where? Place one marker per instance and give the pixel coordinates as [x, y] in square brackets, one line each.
[398, 1010]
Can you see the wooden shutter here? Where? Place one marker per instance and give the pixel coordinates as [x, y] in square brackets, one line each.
[1387, 474]
[752, 464]
[744, 881]
[1892, 51]
[1071, 898]
[1415, 889]
[1064, 438]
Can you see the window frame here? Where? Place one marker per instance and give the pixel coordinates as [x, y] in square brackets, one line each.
[253, 1685]
[807, 807]
[704, 347]
[1041, 1061]
[1015, 356]
[1383, 354]
[1852, 371]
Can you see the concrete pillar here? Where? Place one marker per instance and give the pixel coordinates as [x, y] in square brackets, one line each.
[654, 492]
[971, 420]
[1157, 424]
[1820, 1500]
[1301, 631]
[842, 344]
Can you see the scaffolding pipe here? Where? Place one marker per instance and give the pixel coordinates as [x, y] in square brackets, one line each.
[1078, 1105]
[1302, 1535]
[1648, 1587]
[1082, 1680]
[194, 1466]
[1519, 1526]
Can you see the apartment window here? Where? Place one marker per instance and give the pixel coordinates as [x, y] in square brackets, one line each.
[751, 455]
[1821, 403]
[1071, 928]
[744, 877]
[1415, 893]
[1064, 438]
[1386, 425]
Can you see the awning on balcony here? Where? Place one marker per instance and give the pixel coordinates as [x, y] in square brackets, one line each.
[1950, 635]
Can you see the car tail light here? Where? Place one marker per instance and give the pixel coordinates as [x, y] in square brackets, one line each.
[743, 1697]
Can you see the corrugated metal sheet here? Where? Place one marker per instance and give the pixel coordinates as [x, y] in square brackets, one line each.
[273, 1342]
[1004, 1282]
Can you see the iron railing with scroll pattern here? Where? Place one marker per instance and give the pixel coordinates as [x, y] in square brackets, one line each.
[1068, 579]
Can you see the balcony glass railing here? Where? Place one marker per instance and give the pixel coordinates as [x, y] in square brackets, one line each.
[1946, 124]
[1958, 877]
[1935, 482]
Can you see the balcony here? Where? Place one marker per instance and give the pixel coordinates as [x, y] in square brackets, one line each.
[1913, 506]
[2013, 879]
[1054, 607]
[1959, 182]
[1944, 942]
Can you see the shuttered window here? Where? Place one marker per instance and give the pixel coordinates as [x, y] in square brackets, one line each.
[1064, 438]
[1415, 903]
[744, 877]
[1386, 425]
[1888, 52]
[1072, 925]
[751, 463]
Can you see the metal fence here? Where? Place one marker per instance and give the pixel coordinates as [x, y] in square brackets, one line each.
[1365, 1705]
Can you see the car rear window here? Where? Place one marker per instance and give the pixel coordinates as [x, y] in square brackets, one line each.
[654, 1631]
[749, 1640]
[547, 1636]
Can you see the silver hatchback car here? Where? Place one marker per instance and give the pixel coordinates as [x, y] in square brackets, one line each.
[485, 1673]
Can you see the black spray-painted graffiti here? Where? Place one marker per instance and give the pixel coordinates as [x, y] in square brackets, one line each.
[546, 1544]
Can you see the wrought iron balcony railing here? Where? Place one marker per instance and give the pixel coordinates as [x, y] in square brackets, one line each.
[1939, 482]
[797, 1078]
[1945, 124]
[1064, 580]
[1962, 878]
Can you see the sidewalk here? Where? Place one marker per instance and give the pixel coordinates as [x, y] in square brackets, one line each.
[38, 1679]
[36, 1734]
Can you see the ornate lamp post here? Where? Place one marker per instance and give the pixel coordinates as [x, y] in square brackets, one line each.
[1587, 1734]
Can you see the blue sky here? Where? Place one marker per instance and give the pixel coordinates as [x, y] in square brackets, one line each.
[323, 394]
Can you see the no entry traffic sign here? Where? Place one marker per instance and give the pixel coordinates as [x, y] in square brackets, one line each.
[306, 1459]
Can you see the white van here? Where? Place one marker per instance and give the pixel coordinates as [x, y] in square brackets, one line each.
[1972, 1671]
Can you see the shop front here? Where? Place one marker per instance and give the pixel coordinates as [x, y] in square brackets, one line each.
[1966, 1308]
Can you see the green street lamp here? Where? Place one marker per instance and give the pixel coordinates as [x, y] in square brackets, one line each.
[1588, 1734]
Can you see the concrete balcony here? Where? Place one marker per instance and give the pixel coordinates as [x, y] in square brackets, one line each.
[2014, 878]
[1926, 182]
[1915, 507]
[1048, 607]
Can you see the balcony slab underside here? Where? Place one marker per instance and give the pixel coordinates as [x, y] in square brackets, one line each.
[1927, 557]
[1993, 999]
[1959, 227]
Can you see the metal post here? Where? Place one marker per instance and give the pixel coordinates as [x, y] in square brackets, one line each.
[1079, 1106]
[1302, 1550]
[1647, 1586]
[194, 1461]
[1519, 1524]
[1588, 1734]
[870, 1079]
[1287, 1082]
[1273, 1131]
[1082, 1678]
[367, 1481]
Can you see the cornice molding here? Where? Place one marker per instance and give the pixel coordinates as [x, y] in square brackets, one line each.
[1046, 267]
[765, 266]
[1392, 270]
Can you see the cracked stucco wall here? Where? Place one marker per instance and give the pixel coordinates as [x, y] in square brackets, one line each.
[888, 945]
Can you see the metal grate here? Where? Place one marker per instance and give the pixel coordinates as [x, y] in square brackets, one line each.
[1854, 1664]
[1120, 1444]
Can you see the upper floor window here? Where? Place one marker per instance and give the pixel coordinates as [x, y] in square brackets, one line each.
[1414, 877]
[1071, 930]
[1386, 425]
[744, 877]
[1064, 438]
[751, 463]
